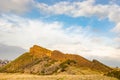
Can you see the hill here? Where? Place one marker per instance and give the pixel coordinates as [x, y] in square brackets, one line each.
[40, 60]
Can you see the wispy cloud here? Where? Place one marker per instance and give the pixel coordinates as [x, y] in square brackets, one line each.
[25, 32]
[86, 8]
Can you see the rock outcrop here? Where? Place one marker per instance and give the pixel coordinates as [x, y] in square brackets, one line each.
[39, 51]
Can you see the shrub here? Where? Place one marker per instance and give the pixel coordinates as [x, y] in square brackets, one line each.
[66, 63]
[114, 73]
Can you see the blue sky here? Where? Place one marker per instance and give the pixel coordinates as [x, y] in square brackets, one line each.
[94, 22]
[90, 28]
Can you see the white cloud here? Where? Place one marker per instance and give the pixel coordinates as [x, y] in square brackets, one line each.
[23, 32]
[15, 6]
[117, 39]
[86, 8]
[117, 28]
[74, 9]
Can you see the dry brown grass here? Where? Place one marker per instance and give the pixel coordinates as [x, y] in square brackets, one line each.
[18, 76]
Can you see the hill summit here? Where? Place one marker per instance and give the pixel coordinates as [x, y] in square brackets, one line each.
[40, 51]
[39, 60]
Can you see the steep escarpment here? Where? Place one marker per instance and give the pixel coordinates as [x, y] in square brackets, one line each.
[39, 60]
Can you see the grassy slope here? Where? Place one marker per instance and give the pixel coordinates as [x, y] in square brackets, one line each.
[19, 63]
[81, 61]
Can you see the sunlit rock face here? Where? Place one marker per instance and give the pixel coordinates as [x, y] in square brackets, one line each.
[39, 51]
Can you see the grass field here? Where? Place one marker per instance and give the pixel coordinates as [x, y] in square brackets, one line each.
[18, 76]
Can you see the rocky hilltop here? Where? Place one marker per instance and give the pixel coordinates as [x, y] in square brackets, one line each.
[39, 60]
[40, 51]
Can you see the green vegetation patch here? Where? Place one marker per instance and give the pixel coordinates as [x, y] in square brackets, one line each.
[114, 73]
[66, 63]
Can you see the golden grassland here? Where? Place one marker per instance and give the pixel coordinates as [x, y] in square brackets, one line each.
[18, 76]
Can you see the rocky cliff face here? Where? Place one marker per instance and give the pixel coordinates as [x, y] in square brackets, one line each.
[39, 51]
